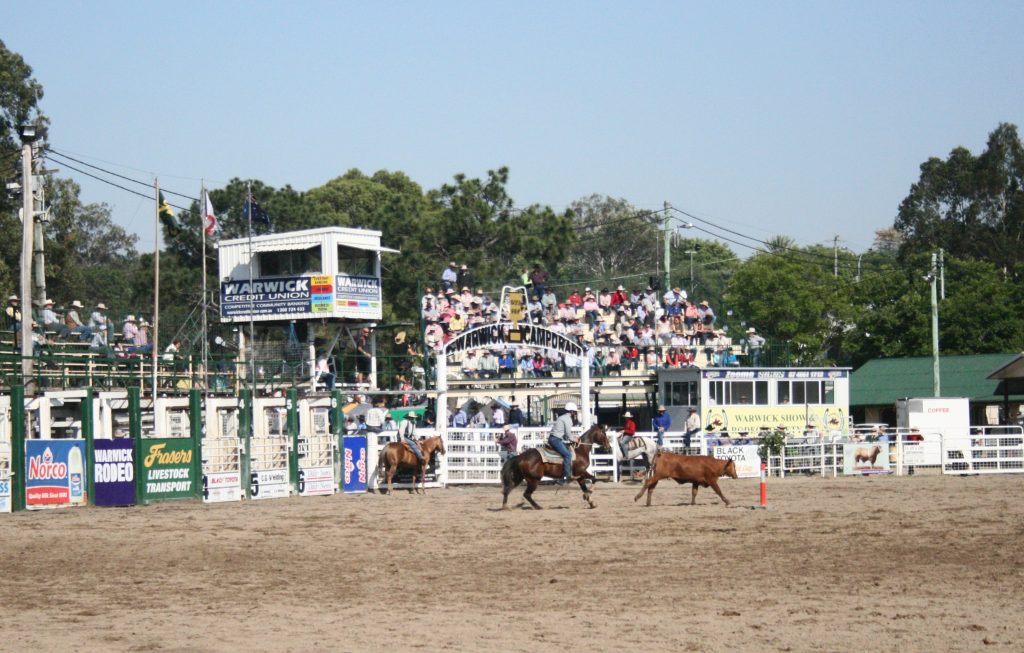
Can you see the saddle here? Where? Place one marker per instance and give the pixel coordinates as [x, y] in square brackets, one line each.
[636, 442]
[549, 455]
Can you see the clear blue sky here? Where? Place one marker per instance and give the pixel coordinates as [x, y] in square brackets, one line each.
[808, 119]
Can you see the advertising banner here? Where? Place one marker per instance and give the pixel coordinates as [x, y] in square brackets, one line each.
[825, 419]
[353, 463]
[266, 297]
[222, 486]
[866, 458]
[167, 469]
[775, 374]
[357, 296]
[113, 472]
[748, 463]
[314, 481]
[269, 484]
[54, 473]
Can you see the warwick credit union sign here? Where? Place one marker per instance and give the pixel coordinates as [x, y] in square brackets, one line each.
[302, 297]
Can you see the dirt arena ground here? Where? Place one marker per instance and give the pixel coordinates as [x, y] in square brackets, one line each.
[911, 564]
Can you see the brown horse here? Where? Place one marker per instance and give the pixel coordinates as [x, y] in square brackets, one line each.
[530, 467]
[397, 454]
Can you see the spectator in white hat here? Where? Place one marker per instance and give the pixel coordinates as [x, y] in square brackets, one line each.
[98, 320]
[450, 276]
[13, 312]
[754, 345]
[74, 322]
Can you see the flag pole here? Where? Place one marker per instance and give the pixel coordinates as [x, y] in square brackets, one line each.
[156, 285]
[205, 210]
[252, 339]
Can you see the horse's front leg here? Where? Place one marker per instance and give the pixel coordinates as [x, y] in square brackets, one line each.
[587, 490]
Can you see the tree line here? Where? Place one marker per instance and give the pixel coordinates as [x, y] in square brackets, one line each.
[829, 307]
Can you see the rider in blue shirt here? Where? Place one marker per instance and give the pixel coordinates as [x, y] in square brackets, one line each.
[561, 433]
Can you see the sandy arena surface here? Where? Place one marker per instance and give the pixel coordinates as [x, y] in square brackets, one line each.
[912, 564]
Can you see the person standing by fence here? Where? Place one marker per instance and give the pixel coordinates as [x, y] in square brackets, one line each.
[692, 427]
[661, 423]
[507, 443]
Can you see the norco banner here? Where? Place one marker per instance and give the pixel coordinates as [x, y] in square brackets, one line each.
[167, 469]
[357, 296]
[353, 463]
[266, 297]
[54, 473]
[113, 472]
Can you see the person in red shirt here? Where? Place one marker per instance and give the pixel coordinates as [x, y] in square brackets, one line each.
[575, 299]
[628, 431]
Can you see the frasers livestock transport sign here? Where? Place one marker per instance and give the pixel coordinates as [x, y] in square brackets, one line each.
[167, 469]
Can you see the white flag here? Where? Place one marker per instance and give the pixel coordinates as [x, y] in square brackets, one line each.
[210, 216]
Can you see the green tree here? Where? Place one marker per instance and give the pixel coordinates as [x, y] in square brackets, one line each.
[714, 263]
[971, 206]
[615, 242]
[20, 94]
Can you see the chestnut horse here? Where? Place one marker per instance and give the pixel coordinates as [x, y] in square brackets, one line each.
[397, 454]
[529, 466]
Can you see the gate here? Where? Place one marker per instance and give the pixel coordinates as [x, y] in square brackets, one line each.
[317, 448]
[222, 452]
[269, 450]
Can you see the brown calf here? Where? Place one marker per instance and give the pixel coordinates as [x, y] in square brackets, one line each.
[702, 471]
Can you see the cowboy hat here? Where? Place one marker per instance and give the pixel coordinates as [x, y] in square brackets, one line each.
[13, 298]
[704, 303]
[76, 304]
[101, 306]
[627, 414]
[129, 318]
[751, 330]
[661, 408]
[400, 338]
[693, 410]
[48, 302]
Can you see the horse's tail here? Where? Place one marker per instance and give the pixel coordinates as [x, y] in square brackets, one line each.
[509, 474]
[382, 462]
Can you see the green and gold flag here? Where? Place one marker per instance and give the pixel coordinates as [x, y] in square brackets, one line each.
[166, 213]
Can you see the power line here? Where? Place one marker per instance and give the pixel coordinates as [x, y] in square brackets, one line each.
[116, 185]
[110, 172]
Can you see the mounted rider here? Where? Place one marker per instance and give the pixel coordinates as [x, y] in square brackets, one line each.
[628, 432]
[407, 433]
[561, 435]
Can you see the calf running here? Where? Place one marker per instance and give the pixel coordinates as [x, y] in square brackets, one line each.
[702, 471]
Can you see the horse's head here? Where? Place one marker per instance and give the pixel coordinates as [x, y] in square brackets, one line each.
[598, 434]
[432, 444]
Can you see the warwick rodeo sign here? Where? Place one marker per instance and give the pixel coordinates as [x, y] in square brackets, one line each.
[508, 334]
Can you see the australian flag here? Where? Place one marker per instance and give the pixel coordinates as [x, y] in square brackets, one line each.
[253, 211]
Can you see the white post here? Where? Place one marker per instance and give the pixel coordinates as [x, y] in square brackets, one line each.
[441, 369]
[585, 390]
[27, 223]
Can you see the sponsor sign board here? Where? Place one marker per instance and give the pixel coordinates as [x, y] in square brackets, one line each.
[353, 463]
[222, 486]
[266, 297]
[54, 473]
[358, 296]
[824, 419]
[748, 463]
[314, 481]
[866, 458]
[269, 484]
[927, 452]
[167, 469]
[113, 472]
[775, 374]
